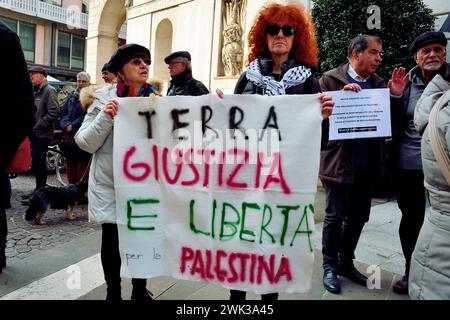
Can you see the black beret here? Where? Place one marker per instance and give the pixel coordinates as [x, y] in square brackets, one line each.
[183, 54]
[124, 54]
[38, 70]
[426, 38]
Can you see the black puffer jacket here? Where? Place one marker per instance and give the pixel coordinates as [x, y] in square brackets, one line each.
[185, 85]
[17, 109]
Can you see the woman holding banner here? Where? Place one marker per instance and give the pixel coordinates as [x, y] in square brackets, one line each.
[130, 63]
[282, 55]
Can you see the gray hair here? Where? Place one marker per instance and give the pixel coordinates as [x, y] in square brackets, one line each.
[85, 75]
[361, 43]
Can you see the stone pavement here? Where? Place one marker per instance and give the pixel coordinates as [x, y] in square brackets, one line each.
[25, 239]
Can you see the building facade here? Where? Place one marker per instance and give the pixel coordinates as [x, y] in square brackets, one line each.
[52, 33]
[214, 31]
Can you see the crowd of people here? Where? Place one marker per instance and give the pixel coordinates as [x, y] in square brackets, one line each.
[282, 60]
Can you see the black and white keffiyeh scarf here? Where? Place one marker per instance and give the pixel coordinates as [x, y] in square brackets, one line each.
[291, 78]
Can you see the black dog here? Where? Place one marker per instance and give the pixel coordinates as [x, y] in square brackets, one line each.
[56, 198]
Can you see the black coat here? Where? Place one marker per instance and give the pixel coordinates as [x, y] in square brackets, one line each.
[17, 109]
[185, 85]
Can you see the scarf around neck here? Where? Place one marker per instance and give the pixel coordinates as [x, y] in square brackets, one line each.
[293, 77]
[145, 90]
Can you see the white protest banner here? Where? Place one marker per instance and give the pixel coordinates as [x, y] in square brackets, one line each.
[365, 114]
[199, 202]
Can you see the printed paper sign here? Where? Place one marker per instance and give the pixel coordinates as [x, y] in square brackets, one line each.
[365, 114]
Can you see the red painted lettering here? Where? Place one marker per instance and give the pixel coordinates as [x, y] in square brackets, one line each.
[263, 266]
[284, 270]
[276, 167]
[242, 160]
[198, 266]
[178, 164]
[209, 275]
[221, 162]
[188, 159]
[186, 254]
[155, 161]
[234, 275]
[220, 273]
[138, 165]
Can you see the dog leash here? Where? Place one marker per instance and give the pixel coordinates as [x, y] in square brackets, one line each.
[87, 167]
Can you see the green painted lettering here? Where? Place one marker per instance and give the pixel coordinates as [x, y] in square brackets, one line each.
[285, 212]
[265, 223]
[308, 231]
[228, 223]
[191, 220]
[131, 204]
[246, 205]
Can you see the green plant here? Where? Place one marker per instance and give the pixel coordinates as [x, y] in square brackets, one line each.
[339, 21]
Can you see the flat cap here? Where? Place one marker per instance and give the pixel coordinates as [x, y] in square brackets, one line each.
[177, 54]
[426, 38]
[124, 54]
[38, 70]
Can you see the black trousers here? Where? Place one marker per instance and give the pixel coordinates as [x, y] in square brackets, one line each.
[347, 210]
[411, 201]
[238, 295]
[39, 148]
[110, 257]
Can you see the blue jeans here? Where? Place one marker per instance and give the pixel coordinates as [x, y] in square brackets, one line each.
[39, 148]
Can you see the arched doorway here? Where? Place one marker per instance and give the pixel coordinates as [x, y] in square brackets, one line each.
[105, 19]
[163, 47]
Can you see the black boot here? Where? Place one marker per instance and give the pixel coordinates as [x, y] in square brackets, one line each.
[113, 292]
[140, 292]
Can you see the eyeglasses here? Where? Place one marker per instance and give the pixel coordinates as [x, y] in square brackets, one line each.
[172, 63]
[138, 61]
[273, 30]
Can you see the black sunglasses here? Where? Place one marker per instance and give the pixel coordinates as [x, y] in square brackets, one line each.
[138, 61]
[273, 30]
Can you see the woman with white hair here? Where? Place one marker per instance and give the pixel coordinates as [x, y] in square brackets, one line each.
[71, 117]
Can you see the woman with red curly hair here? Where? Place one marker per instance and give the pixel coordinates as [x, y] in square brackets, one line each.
[283, 51]
[282, 54]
